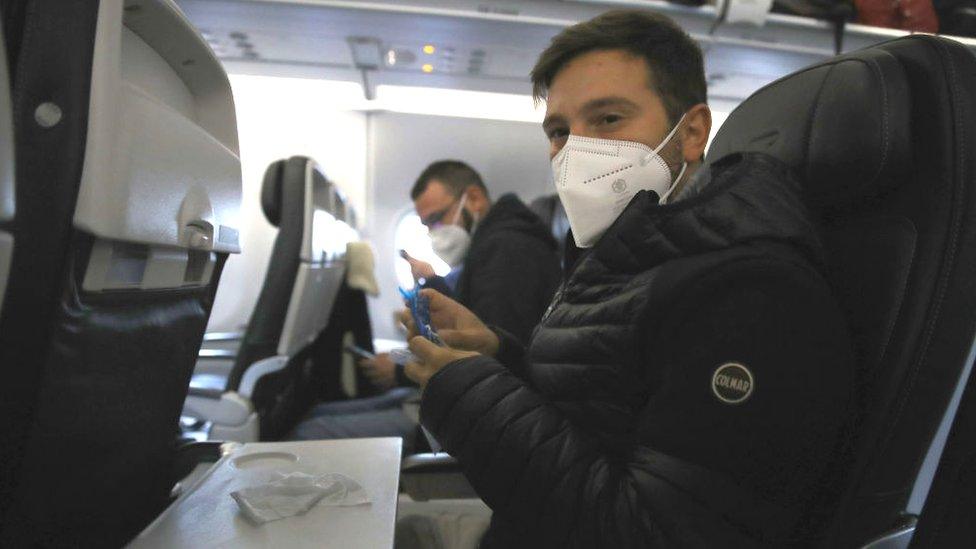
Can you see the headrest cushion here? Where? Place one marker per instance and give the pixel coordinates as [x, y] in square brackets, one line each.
[361, 267]
[843, 127]
[271, 191]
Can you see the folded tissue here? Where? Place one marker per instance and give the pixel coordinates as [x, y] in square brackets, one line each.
[296, 493]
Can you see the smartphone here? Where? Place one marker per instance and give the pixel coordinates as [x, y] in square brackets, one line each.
[360, 352]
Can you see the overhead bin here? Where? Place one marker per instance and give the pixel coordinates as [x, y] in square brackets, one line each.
[492, 46]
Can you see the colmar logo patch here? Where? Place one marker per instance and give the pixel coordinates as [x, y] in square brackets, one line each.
[732, 383]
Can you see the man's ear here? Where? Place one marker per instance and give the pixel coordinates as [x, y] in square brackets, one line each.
[477, 199]
[694, 134]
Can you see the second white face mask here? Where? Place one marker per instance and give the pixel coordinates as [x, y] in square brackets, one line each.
[597, 178]
[451, 242]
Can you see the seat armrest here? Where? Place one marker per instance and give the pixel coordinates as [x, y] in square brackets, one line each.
[217, 354]
[194, 460]
[191, 454]
[231, 413]
[225, 408]
[213, 394]
[232, 417]
[223, 336]
[434, 476]
[203, 384]
[440, 462]
[257, 370]
[898, 537]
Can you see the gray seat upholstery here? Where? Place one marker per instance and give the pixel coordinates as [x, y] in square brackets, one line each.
[283, 203]
[269, 388]
[128, 196]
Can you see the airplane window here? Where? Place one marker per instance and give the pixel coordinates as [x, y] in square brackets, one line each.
[330, 236]
[322, 227]
[411, 235]
[718, 118]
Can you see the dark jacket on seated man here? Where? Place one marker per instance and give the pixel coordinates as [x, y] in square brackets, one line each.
[688, 386]
[511, 269]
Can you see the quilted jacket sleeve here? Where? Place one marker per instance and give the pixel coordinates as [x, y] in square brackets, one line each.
[695, 471]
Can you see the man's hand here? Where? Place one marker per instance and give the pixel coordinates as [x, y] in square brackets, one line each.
[458, 327]
[432, 359]
[381, 371]
[419, 269]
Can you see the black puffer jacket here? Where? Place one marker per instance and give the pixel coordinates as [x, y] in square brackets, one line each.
[689, 387]
[511, 270]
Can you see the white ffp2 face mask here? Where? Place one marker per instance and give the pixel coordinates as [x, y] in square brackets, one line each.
[597, 178]
[451, 242]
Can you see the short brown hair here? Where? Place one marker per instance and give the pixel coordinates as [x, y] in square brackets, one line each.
[674, 60]
[454, 174]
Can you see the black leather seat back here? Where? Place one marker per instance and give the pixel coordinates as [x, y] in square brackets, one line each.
[283, 203]
[881, 140]
[128, 194]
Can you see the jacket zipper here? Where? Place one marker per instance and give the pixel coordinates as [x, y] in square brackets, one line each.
[555, 302]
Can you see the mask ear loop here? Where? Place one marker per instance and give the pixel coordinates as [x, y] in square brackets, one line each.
[457, 216]
[664, 199]
[667, 139]
[684, 165]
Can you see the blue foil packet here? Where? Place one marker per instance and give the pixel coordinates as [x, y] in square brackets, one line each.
[420, 310]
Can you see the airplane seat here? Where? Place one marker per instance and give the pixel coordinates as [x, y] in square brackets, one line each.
[270, 386]
[283, 204]
[7, 189]
[264, 327]
[334, 374]
[128, 195]
[550, 210]
[879, 140]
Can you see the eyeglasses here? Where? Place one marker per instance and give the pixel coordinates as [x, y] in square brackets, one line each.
[437, 218]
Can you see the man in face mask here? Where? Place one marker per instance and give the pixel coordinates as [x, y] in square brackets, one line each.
[449, 218]
[504, 264]
[691, 382]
